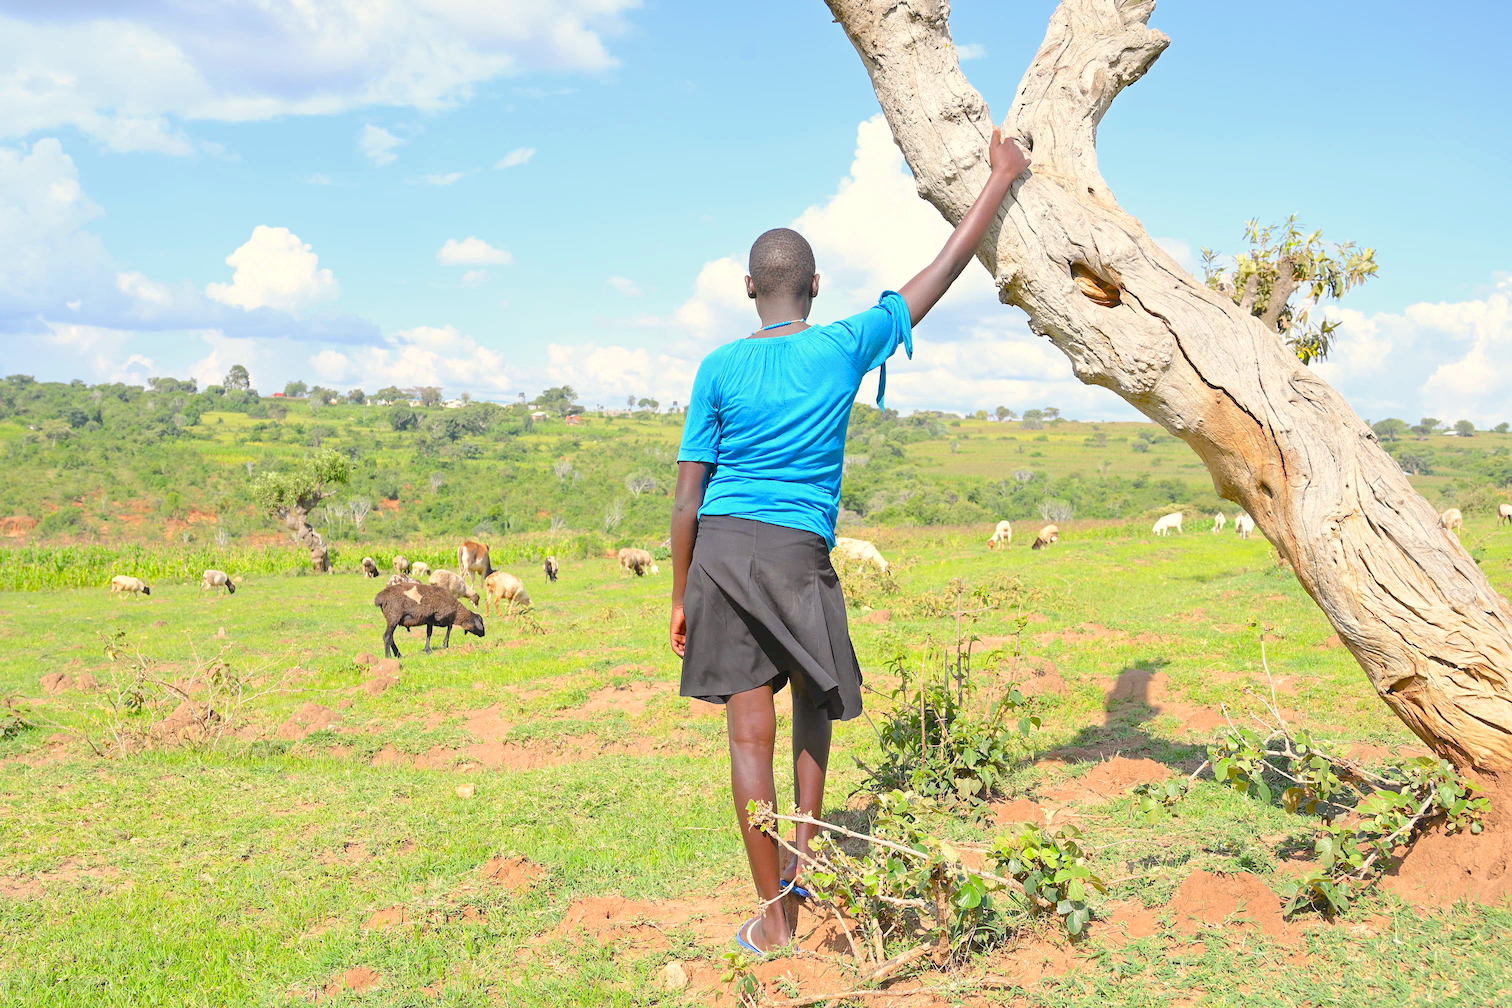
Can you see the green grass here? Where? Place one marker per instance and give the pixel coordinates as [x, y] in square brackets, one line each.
[184, 876]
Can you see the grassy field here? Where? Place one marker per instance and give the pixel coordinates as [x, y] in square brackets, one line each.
[536, 819]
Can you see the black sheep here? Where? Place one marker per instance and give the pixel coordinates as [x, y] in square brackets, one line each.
[430, 606]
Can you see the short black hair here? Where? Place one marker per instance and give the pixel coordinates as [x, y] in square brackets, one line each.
[782, 263]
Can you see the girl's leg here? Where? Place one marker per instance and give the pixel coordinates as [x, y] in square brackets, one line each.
[752, 722]
[812, 729]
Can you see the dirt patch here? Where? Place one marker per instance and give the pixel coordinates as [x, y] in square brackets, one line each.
[1141, 694]
[632, 698]
[513, 873]
[1035, 676]
[497, 754]
[1442, 868]
[643, 924]
[878, 616]
[1241, 902]
[190, 721]
[1126, 921]
[69, 871]
[380, 684]
[1024, 810]
[306, 721]
[1109, 780]
[357, 979]
[389, 917]
[54, 683]
[17, 526]
[486, 723]
[351, 852]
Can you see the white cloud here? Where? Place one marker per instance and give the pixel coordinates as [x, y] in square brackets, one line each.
[625, 286]
[377, 144]
[605, 375]
[516, 157]
[274, 269]
[102, 350]
[474, 277]
[971, 51]
[472, 251]
[1180, 251]
[130, 73]
[49, 255]
[443, 180]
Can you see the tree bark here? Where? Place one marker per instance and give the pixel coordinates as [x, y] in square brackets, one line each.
[297, 518]
[1410, 604]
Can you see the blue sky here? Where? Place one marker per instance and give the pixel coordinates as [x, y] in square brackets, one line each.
[501, 196]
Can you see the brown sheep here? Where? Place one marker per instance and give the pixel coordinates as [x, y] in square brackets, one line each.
[507, 590]
[401, 564]
[472, 558]
[369, 567]
[1047, 535]
[454, 584]
[551, 568]
[430, 606]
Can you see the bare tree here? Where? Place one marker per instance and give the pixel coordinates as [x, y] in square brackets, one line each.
[1410, 604]
[360, 507]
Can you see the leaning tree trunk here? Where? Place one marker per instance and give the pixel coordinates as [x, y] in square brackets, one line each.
[297, 518]
[1409, 603]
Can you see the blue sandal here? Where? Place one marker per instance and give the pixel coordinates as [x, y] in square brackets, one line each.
[740, 938]
[788, 885]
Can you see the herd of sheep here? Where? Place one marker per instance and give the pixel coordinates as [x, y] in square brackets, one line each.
[417, 596]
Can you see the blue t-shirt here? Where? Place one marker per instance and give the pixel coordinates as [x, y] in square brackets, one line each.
[770, 414]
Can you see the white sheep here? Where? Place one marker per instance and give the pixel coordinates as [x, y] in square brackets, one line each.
[1219, 520]
[504, 589]
[1504, 514]
[401, 564]
[1165, 523]
[1002, 535]
[129, 585]
[861, 551]
[1047, 535]
[1244, 525]
[419, 569]
[637, 561]
[213, 578]
[454, 583]
[1452, 519]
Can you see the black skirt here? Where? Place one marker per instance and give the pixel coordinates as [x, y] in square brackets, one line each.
[764, 605]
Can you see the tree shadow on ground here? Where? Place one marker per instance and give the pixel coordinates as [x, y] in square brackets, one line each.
[1127, 709]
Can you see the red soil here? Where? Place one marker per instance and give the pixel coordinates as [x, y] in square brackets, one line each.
[1239, 902]
[1442, 868]
[306, 721]
[513, 873]
[1109, 780]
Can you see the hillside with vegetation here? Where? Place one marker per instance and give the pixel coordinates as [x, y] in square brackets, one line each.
[166, 472]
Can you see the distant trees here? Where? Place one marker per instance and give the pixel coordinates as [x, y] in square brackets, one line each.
[1427, 425]
[402, 418]
[238, 379]
[296, 389]
[322, 396]
[1500, 428]
[1464, 428]
[291, 496]
[1390, 429]
[357, 397]
[1004, 413]
[172, 386]
[650, 404]
[430, 395]
[390, 394]
[559, 400]
[1281, 262]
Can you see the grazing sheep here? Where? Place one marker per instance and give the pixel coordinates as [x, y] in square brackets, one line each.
[401, 579]
[430, 606]
[861, 551]
[472, 558]
[1219, 521]
[213, 578]
[1452, 520]
[369, 567]
[1002, 535]
[419, 569]
[1244, 525]
[128, 584]
[637, 561]
[455, 584]
[401, 564]
[506, 589]
[1504, 514]
[1047, 535]
[551, 567]
[1165, 523]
